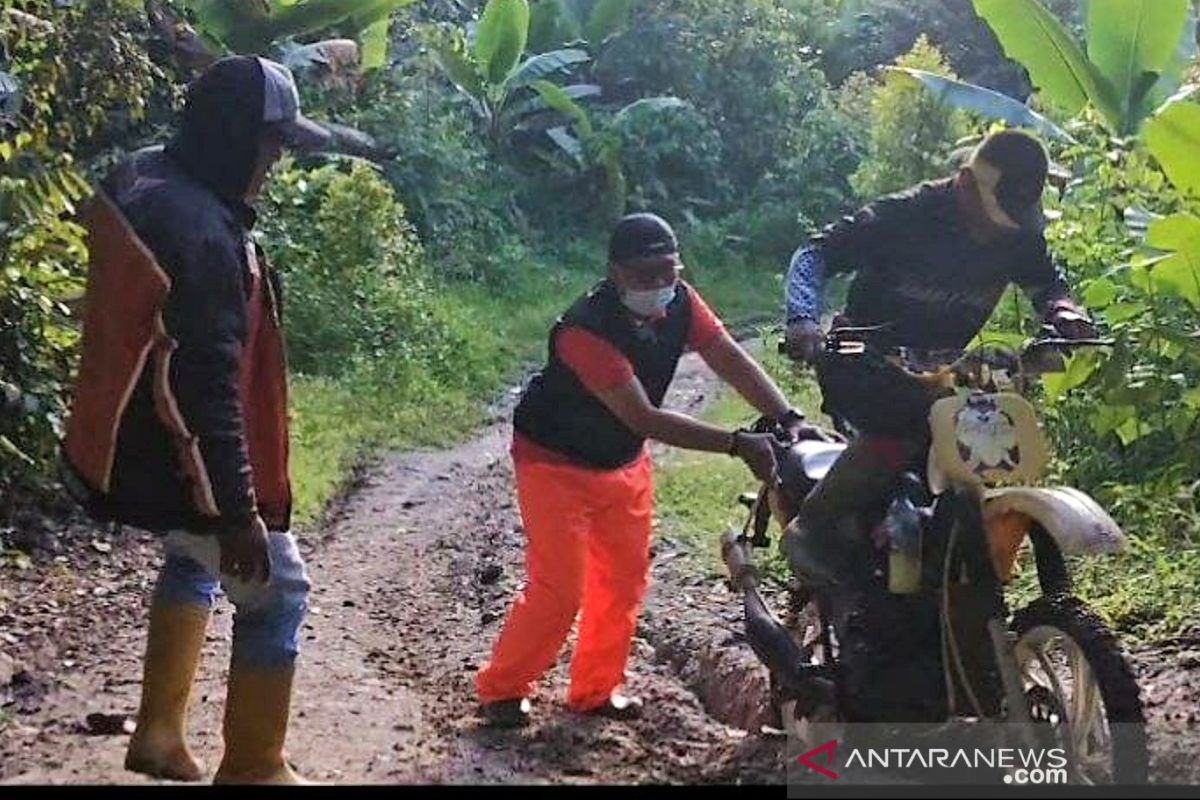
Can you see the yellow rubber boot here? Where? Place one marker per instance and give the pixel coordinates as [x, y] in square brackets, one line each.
[157, 747]
[256, 721]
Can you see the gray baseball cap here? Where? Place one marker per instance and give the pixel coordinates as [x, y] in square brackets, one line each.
[281, 109]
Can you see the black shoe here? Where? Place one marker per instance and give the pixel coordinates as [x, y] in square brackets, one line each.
[512, 713]
[618, 706]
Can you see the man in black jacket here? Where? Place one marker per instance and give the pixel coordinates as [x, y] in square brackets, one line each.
[179, 419]
[930, 265]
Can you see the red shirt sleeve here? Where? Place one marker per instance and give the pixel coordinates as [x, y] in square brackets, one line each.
[705, 325]
[597, 364]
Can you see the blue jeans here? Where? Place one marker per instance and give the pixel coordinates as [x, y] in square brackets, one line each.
[267, 617]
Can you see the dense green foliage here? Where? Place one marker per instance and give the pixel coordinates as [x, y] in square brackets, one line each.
[355, 274]
[77, 80]
[704, 51]
[869, 32]
[458, 197]
[1137, 404]
[912, 133]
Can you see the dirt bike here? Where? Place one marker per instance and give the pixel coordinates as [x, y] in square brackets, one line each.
[920, 630]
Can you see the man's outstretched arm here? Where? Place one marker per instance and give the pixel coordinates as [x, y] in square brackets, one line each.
[852, 243]
[805, 284]
[1045, 283]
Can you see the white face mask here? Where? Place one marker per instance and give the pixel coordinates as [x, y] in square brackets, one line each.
[650, 302]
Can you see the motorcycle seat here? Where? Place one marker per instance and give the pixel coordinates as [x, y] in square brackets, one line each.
[817, 457]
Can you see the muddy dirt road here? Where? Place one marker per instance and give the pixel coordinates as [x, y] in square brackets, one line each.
[413, 573]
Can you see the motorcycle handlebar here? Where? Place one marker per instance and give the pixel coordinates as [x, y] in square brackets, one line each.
[1036, 344]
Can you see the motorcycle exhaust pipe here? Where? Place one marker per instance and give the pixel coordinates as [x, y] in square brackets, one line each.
[768, 638]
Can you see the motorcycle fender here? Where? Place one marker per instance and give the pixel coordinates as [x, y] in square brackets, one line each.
[1076, 523]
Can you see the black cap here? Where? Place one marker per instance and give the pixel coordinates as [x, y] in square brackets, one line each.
[1020, 157]
[281, 109]
[1023, 165]
[641, 236]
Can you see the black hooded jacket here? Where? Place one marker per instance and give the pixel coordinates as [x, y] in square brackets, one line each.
[217, 141]
[185, 203]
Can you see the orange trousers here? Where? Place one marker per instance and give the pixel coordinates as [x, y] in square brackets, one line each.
[587, 545]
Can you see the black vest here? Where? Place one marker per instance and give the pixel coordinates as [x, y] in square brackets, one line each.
[559, 413]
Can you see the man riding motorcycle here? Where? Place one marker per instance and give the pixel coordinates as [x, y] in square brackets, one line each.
[930, 265]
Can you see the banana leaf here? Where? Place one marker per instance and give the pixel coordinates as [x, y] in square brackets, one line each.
[991, 104]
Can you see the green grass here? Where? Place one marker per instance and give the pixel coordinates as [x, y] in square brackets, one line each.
[1152, 590]
[741, 297]
[744, 290]
[1149, 593]
[336, 424]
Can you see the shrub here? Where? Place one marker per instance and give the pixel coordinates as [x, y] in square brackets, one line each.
[749, 67]
[911, 131]
[673, 162]
[1130, 413]
[355, 279]
[460, 200]
[85, 85]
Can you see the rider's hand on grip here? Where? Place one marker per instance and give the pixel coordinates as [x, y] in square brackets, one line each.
[1070, 324]
[804, 432]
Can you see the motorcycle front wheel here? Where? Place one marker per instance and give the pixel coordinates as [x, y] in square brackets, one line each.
[1078, 682]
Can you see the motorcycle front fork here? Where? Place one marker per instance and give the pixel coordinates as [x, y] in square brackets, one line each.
[981, 578]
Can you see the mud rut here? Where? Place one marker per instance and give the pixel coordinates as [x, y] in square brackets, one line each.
[413, 573]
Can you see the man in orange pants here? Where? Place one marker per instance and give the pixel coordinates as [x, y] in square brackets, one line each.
[583, 470]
